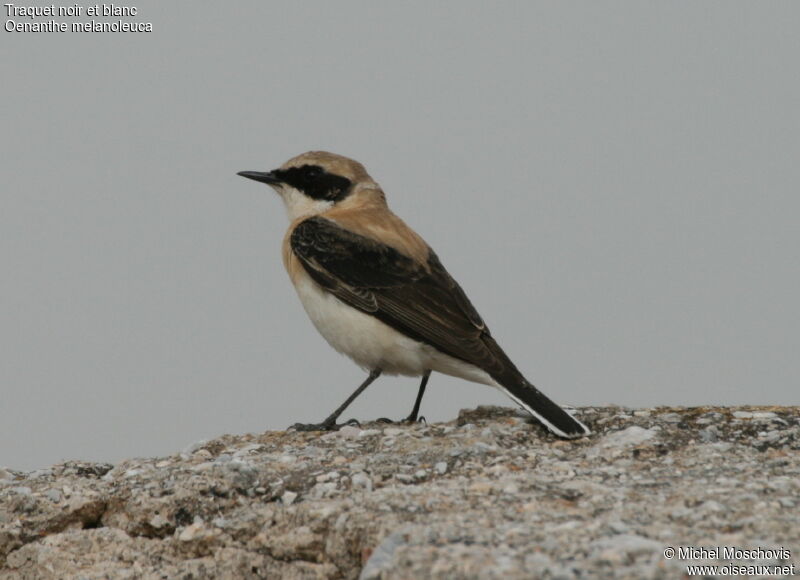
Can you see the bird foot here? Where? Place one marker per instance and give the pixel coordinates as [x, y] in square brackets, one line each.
[324, 426]
[410, 420]
[315, 427]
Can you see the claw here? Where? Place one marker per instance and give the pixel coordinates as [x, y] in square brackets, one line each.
[315, 427]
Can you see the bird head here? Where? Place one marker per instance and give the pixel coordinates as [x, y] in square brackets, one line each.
[316, 181]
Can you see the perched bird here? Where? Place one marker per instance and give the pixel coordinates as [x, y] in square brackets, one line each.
[378, 293]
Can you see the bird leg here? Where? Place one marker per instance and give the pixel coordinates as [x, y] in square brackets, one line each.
[329, 424]
[412, 418]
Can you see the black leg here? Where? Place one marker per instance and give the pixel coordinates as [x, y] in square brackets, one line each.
[412, 418]
[329, 424]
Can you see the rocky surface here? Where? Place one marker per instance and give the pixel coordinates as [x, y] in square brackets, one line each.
[489, 495]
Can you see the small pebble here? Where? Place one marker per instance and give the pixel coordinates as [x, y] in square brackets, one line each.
[349, 432]
[158, 521]
[192, 532]
[361, 480]
[330, 476]
[671, 417]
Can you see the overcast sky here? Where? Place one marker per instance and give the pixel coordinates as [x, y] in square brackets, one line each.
[615, 185]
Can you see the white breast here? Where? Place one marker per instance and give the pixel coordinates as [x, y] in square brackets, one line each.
[373, 344]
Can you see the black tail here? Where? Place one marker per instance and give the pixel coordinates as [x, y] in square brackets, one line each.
[546, 411]
[516, 386]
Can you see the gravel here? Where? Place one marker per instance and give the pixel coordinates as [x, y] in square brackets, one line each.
[489, 495]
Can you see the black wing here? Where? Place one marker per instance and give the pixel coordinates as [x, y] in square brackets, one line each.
[423, 303]
[420, 301]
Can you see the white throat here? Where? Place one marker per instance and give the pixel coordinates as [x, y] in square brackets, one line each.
[298, 205]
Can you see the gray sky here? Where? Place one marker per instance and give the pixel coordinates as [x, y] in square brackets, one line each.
[615, 185]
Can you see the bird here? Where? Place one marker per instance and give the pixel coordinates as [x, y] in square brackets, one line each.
[378, 293]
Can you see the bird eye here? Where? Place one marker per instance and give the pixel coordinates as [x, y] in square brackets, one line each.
[313, 171]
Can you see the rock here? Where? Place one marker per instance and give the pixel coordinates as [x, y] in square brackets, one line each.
[349, 432]
[224, 458]
[624, 547]
[489, 495]
[194, 447]
[382, 559]
[709, 434]
[615, 443]
[764, 415]
[158, 521]
[361, 480]
[630, 436]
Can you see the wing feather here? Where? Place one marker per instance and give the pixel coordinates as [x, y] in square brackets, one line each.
[420, 300]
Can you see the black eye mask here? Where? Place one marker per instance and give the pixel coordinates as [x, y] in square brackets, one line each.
[315, 182]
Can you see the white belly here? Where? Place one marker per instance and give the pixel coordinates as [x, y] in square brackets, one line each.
[373, 344]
